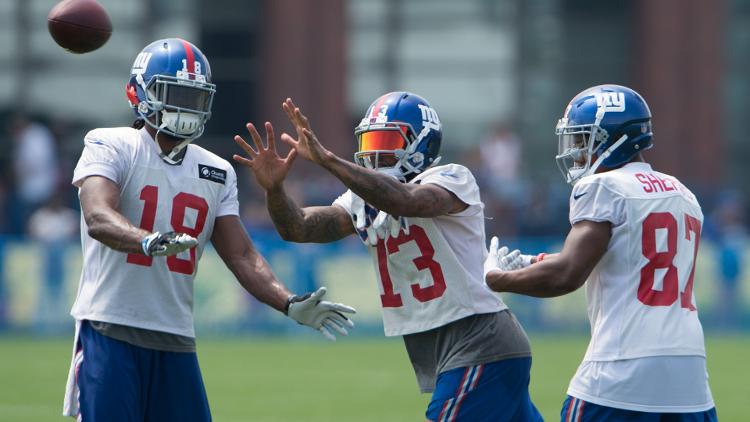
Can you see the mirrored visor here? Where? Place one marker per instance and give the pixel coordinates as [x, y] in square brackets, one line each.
[381, 140]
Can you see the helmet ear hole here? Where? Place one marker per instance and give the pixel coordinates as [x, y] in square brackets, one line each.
[132, 94]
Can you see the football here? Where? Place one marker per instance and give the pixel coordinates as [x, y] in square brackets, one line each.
[79, 26]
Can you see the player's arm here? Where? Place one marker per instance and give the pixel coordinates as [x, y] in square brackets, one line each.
[254, 274]
[390, 195]
[100, 200]
[562, 273]
[379, 190]
[249, 267]
[311, 224]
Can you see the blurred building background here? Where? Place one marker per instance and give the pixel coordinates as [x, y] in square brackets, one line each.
[499, 72]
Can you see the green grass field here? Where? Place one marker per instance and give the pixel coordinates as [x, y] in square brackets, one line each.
[351, 380]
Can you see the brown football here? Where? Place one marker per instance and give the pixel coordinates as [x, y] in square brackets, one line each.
[79, 26]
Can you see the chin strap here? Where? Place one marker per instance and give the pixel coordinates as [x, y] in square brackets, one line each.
[605, 154]
[178, 151]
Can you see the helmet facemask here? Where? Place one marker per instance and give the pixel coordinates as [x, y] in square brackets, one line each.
[178, 107]
[576, 148]
[578, 145]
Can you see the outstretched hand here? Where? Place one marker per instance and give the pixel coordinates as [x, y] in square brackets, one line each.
[327, 317]
[306, 144]
[268, 167]
[501, 259]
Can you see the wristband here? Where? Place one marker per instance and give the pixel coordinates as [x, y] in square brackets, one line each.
[289, 301]
[294, 299]
[146, 242]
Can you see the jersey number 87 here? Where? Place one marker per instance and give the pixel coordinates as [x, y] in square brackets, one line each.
[664, 260]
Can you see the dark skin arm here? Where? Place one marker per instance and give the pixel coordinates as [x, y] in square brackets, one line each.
[249, 267]
[562, 273]
[310, 224]
[388, 194]
[100, 199]
[379, 190]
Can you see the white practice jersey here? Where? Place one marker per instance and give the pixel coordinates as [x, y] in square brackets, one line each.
[640, 295]
[434, 274]
[154, 293]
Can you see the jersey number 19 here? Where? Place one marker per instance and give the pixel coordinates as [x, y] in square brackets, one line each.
[181, 201]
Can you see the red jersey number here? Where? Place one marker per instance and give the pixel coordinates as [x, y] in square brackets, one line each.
[425, 261]
[180, 203]
[664, 260]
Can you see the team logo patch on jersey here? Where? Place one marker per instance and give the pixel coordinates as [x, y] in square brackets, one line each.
[212, 173]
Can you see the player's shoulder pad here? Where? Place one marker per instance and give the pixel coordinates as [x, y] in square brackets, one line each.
[204, 156]
[454, 178]
[454, 172]
[610, 180]
[114, 137]
[209, 165]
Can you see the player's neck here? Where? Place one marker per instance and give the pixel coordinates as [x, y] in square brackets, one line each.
[166, 142]
[637, 159]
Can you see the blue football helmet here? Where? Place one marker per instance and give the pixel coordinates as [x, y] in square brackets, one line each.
[609, 122]
[400, 135]
[170, 89]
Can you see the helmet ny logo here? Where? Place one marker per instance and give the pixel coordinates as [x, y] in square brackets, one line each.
[610, 101]
[430, 120]
[141, 63]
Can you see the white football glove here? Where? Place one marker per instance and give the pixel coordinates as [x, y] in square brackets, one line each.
[500, 259]
[364, 215]
[165, 244]
[511, 261]
[526, 260]
[386, 224]
[326, 317]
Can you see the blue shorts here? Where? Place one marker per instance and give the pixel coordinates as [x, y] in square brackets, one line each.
[577, 410]
[119, 382]
[496, 391]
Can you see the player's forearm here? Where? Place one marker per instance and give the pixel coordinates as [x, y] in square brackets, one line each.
[548, 278]
[381, 191]
[257, 278]
[286, 215]
[305, 225]
[114, 230]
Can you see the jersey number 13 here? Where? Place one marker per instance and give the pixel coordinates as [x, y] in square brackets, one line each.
[391, 299]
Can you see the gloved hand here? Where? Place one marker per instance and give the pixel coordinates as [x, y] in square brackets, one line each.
[364, 215]
[171, 243]
[512, 261]
[326, 317]
[386, 224]
[500, 259]
[526, 260]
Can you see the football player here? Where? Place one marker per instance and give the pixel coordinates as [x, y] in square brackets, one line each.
[634, 237]
[151, 201]
[423, 225]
